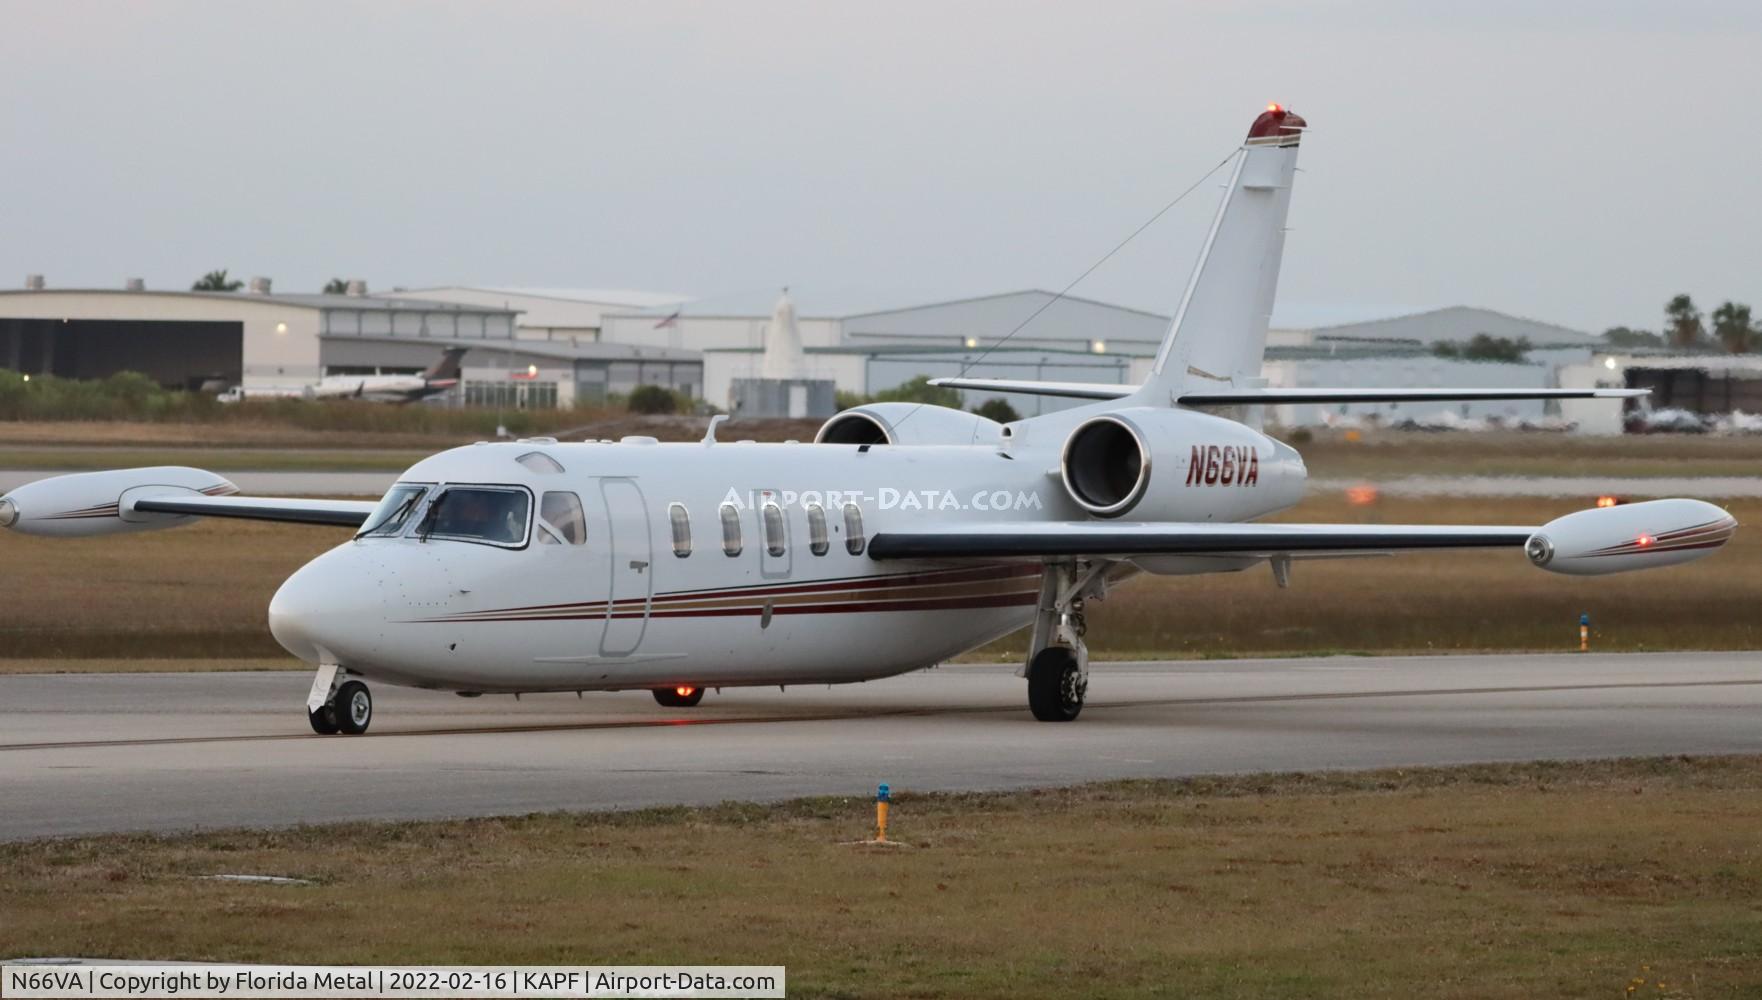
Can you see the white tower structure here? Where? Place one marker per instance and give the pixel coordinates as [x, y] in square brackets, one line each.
[783, 352]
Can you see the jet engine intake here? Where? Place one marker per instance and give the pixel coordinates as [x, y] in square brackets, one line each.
[908, 423]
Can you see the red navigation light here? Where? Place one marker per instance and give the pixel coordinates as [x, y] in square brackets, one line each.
[1607, 501]
[1274, 109]
[1643, 541]
[684, 690]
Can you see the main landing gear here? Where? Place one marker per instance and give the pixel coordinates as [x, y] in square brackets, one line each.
[683, 696]
[338, 705]
[1058, 661]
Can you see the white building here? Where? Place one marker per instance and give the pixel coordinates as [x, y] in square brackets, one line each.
[567, 314]
[864, 349]
[264, 340]
[1709, 384]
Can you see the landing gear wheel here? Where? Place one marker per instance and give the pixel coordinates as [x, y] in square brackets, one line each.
[1056, 685]
[353, 708]
[683, 696]
[323, 720]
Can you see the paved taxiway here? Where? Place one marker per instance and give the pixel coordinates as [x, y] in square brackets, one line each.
[105, 752]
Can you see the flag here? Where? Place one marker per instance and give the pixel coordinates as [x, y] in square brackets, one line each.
[671, 320]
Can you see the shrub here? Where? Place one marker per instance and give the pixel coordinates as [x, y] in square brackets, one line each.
[998, 410]
[919, 390]
[653, 399]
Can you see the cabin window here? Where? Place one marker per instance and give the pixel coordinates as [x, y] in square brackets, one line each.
[853, 529]
[393, 513]
[818, 543]
[730, 529]
[774, 540]
[680, 518]
[561, 519]
[540, 462]
[490, 515]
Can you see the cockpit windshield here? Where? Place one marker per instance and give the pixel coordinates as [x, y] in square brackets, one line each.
[393, 513]
[493, 515]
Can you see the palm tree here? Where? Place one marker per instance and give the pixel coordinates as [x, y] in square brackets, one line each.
[1731, 325]
[1684, 326]
[217, 281]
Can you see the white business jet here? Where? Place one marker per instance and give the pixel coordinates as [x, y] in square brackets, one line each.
[902, 537]
[432, 381]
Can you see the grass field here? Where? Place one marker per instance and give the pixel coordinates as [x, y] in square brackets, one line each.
[201, 592]
[1392, 454]
[175, 439]
[1531, 880]
[1377, 455]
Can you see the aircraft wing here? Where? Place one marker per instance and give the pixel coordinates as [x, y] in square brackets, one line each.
[1121, 540]
[123, 500]
[1270, 396]
[341, 513]
[1583, 543]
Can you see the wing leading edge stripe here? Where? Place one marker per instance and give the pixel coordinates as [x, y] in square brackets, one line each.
[1028, 545]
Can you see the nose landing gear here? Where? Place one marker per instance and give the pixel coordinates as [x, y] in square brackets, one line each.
[336, 705]
[683, 696]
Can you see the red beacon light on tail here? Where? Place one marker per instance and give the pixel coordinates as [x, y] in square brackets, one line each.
[1278, 125]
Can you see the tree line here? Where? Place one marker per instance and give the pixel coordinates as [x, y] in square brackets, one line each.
[1728, 328]
[219, 281]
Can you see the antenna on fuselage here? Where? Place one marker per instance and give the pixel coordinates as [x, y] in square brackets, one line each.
[710, 432]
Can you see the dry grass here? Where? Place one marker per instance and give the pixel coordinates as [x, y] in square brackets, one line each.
[198, 591]
[1555, 880]
[1377, 455]
[1382, 455]
[201, 592]
[71, 459]
[146, 666]
[247, 433]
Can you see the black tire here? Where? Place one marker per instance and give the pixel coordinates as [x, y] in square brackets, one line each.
[354, 708]
[671, 698]
[323, 721]
[1055, 686]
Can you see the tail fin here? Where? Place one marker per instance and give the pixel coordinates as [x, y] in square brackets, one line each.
[1218, 336]
[447, 366]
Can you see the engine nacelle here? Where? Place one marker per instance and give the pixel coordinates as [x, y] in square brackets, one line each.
[908, 423]
[101, 503]
[1178, 465]
[1631, 536]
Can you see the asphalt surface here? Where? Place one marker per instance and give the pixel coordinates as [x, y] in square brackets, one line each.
[86, 753]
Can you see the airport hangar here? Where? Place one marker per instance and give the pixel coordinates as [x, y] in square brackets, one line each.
[265, 340]
[864, 350]
[559, 347]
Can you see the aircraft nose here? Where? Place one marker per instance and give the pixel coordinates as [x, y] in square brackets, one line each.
[331, 610]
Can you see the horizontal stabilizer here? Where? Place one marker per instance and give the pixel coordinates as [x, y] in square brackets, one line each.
[1070, 390]
[1236, 397]
[1268, 396]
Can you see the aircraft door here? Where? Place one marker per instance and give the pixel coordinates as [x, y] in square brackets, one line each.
[631, 548]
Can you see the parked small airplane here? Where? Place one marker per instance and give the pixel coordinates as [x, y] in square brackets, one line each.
[903, 536]
[436, 379]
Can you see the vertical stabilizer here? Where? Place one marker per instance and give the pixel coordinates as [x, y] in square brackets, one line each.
[1218, 335]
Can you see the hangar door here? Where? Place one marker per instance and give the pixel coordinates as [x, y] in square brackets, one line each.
[176, 354]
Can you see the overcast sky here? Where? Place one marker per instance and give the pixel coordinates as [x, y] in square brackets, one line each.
[1576, 162]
